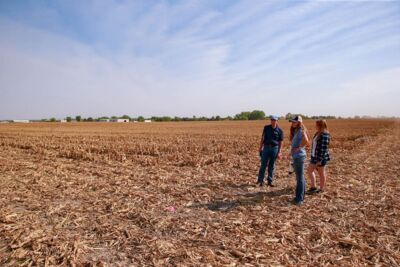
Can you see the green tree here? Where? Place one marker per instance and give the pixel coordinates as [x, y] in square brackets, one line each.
[90, 119]
[257, 115]
[125, 117]
[244, 115]
[78, 118]
[69, 119]
[141, 118]
[53, 119]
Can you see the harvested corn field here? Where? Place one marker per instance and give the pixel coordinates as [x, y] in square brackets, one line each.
[184, 194]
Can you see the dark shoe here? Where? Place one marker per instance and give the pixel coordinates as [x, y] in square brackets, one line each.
[295, 202]
[261, 184]
[271, 184]
[312, 190]
[320, 191]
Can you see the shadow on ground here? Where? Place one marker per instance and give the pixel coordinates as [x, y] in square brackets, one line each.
[246, 199]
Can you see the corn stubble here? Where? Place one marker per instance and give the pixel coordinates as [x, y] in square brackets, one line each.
[183, 194]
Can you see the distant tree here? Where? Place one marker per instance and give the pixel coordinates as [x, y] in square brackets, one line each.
[102, 118]
[291, 116]
[78, 118]
[176, 119]
[114, 117]
[90, 119]
[126, 117]
[217, 118]
[257, 115]
[53, 120]
[69, 119]
[244, 115]
[202, 118]
[141, 118]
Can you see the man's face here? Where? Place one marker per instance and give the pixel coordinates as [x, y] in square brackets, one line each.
[273, 123]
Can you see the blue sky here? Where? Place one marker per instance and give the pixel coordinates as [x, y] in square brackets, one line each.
[184, 58]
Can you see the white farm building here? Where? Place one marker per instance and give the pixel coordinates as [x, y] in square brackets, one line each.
[21, 121]
[119, 120]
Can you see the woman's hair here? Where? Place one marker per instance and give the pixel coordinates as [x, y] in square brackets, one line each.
[294, 130]
[322, 125]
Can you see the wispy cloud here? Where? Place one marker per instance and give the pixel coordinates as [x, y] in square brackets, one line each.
[196, 58]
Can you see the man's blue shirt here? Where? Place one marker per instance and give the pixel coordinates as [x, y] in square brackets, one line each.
[272, 136]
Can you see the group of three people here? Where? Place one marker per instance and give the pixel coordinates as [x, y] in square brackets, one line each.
[271, 146]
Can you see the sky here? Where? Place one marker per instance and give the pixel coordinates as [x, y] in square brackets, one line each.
[202, 58]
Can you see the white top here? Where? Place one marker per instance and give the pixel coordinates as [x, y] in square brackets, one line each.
[314, 146]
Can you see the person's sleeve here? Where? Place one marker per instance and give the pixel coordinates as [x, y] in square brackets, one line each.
[324, 147]
[263, 133]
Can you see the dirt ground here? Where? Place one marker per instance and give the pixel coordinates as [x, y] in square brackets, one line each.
[184, 194]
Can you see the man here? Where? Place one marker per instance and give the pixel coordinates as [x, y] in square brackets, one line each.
[270, 150]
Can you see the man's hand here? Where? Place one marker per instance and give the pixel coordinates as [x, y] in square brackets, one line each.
[279, 155]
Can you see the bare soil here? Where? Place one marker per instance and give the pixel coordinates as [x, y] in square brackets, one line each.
[184, 194]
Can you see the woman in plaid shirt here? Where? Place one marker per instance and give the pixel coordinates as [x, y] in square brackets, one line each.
[319, 156]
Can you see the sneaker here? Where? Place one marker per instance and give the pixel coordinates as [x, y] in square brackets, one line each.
[320, 191]
[312, 190]
[260, 183]
[271, 184]
[295, 202]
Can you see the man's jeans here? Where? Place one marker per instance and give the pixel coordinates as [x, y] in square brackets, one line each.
[268, 158]
[298, 166]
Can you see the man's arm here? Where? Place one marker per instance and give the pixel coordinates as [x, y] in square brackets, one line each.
[279, 150]
[262, 142]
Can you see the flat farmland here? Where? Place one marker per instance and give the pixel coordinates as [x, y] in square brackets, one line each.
[184, 194]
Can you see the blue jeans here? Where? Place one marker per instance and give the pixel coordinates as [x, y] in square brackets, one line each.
[298, 166]
[268, 158]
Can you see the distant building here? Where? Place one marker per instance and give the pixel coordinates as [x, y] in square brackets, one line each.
[147, 120]
[21, 121]
[63, 120]
[119, 120]
[104, 120]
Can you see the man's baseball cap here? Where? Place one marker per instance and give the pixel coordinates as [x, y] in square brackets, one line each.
[273, 118]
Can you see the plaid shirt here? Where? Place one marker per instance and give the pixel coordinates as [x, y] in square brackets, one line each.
[322, 151]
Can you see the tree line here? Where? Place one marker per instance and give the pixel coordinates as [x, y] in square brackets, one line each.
[244, 115]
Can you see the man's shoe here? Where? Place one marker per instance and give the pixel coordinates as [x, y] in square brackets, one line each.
[320, 191]
[271, 184]
[299, 203]
[295, 202]
[261, 184]
[312, 190]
